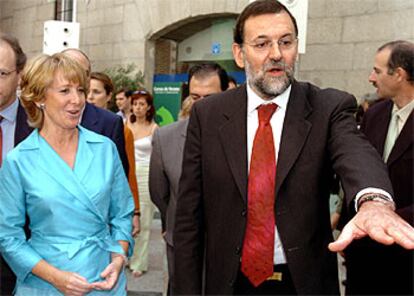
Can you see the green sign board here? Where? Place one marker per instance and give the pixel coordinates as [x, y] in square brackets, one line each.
[167, 101]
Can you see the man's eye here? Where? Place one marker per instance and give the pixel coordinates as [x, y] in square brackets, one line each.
[285, 42]
[262, 44]
[3, 74]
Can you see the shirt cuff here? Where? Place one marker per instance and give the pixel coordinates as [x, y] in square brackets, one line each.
[370, 190]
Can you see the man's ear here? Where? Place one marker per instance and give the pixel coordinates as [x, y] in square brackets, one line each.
[401, 74]
[238, 54]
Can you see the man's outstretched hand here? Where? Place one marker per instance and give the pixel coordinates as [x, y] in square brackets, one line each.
[380, 223]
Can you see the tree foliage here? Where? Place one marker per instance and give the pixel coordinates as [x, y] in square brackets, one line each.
[124, 76]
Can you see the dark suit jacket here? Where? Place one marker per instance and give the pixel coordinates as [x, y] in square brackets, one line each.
[374, 268]
[319, 135]
[107, 124]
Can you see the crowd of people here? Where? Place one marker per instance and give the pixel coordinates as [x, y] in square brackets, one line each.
[242, 180]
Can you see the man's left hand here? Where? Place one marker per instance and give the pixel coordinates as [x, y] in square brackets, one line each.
[380, 223]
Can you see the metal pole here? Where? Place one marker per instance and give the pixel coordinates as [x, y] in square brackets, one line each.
[75, 6]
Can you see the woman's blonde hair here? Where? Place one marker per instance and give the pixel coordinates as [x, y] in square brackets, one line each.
[186, 107]
[38, 76]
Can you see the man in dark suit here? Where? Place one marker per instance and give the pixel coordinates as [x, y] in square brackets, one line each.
[13, 127]
[230, 180]
[167, 152]
[373, 268]
[97, 119]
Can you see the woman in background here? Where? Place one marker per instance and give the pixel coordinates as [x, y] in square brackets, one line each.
[100, 93]
[70, 182]
[143, 126]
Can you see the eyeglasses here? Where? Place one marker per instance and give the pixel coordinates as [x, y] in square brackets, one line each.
[4, 73]
[140, 92]
[264, 45]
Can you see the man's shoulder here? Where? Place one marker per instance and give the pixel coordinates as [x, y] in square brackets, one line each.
[106, 115]
[172, 130]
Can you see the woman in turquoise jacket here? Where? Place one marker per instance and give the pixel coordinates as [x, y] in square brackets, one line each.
[70, 183]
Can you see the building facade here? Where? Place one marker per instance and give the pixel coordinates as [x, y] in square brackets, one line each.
[342, 35]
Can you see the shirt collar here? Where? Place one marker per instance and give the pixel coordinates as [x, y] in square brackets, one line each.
[404, 112]
[10, 113]
[255, 101]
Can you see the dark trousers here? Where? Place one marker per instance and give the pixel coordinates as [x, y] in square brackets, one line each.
[270, 287]
[170, 261]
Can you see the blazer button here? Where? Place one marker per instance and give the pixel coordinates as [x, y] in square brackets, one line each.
[238, 250]
[244, 213]
[231, 283]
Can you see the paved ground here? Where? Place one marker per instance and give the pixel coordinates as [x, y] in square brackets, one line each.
[152, 283]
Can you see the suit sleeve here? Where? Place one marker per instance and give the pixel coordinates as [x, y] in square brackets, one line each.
[358, 168]
[118, 138]
[189, 221]
[159, 184]
[20, 256]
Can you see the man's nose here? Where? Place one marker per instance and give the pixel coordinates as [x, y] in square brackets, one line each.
[275, 52]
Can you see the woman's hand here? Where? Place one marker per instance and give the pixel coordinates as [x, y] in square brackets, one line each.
[136, 228]
[71, 284]
[110, 274]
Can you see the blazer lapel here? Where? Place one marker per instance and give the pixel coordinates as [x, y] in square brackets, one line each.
[236, 124]
[404, 140]
[295, 131]
[58, 170]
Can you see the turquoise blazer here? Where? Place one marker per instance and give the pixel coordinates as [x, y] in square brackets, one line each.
[76, 216]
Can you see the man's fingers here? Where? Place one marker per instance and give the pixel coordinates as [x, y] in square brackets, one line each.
[403, 234]
[344, 239]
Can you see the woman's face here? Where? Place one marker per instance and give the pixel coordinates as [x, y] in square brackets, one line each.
[140, 107]
[64, 102]
[97, 94]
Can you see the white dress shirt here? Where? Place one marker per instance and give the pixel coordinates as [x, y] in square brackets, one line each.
[253, 102]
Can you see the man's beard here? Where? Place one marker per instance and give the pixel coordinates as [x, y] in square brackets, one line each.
[269, 87]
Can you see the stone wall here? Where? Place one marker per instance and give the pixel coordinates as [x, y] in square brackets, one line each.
[342, 36]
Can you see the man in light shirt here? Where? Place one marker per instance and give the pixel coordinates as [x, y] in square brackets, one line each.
[221, 244]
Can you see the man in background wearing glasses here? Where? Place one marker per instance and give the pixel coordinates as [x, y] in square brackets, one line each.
[13, 126]
[253, 205]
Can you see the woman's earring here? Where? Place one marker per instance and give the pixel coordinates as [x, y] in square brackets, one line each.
[42, 106]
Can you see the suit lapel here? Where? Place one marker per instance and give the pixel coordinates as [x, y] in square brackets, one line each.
[295, 131]
[22, 128]
[404, 140]
[234, 146]
[182, 134]
[382, 122]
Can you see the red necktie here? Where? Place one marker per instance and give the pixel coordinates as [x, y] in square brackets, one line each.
[1, 143]
[258, 245]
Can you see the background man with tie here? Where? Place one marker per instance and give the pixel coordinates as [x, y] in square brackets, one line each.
[13, 128]
[373, 268]
[221, 241]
